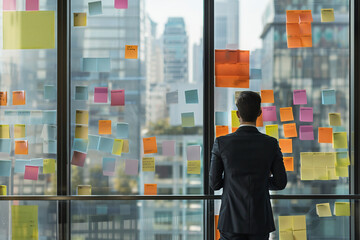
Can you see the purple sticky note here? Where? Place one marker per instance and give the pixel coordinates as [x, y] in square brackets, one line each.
[101, 95]
[193, 153]
[269, 114]
[32, 5]
[118, 97]
[31, 173]
[9, 5]
[131, 167]
[168, 148]
[306, 133]
[78, 159]
[299, 97]
[306, 114]
[121, 4]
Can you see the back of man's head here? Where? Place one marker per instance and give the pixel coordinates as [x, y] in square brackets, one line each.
[248, 105]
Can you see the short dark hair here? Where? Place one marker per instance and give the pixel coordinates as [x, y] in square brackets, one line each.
[248, 105]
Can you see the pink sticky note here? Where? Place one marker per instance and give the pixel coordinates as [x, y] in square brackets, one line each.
[101, 95]
[121, 4]
[193, 153]
[78, 159]
[168, 148]
[269, 114]
[306, 114]
[306, 133]
[299, 97]
[31, 173]
[32, 5]
[9, 5]
[108, 173]
[118, 97]
[131, 167]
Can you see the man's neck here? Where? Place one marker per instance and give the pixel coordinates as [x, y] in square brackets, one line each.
[248, 124]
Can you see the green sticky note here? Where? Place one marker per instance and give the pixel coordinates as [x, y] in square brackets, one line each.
[49, 92]
[187, 119]
[342, 209]
[191, 96]
[49, 166]
[342, 171]
[340, 140]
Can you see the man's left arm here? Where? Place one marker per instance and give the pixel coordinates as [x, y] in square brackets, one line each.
[216, 168]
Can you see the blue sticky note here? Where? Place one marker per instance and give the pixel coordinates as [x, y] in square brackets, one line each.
[24, 116]
[49, 132]
[328, 97]
[95, 8]
[338, 129]
[80, 145]
[255, 73]
[5, 168]
[122, 130]
[221, 118]
[49, 117]
[191, 96]
[49, 92]
[20, 165]
[5, 145]
[36, 117]
[101, 210]
[255, 85]
[89, 65]
[81, 93]
[11, 117]
[341, 155]
[93, 142]
[109, 164]
[49, 146]
[106, 144]
[103, 64]
[37, 162]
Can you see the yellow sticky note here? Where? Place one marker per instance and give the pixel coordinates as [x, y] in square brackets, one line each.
[84, 190]
[19, 130]
[307, 174]
[323, 210]
[3, 191]
[286, 235]
[272, 130]
[332, 173]
[335, 119]
[342, 159]
[82, 117]
[80, 20]
[126, 148]
[342, 209]
[131, 51]
[49, 165]
[299, 222]
[193, 167]
[327, 15]
[118, 146]
[148, 164]
[81, 131]
[320, 173]
[342, 171]
[4, 131]
[29, 29]
[340, 140]
[24, 222]
[285, 223]
[235, 123]
[299, 235]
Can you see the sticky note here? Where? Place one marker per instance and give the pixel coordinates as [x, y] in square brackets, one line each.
[49, 166]
[342, 209]
[221, 130]
[31, 172]
[150, 189]
[32, 5]
[285, 223]
[108, 166]
[96, 64]
[294, 42]
[172, 97]
[78, 159]
[82, 117]
[290, 130]
[131, 167]
[103, 65]
[188, 119]
[306, 133]
[168, 148]
[3, 191]
[20, 165]
[269, 114]
[286, 114]
[267, 96]
[272, 130]
[4, 131]
[193, 152]
[24, 222]
[299, 97]
[9, 5]
[148, 164]
[323, 210]
[340, 140]
[327, 15]
[341, 171]
[131, 51]
[149, 145]
[121, 4]
[93, 142]
[18, 97]
[117, 147]
[235, 122]
[5, 168]
[49, 117]
[342, 159]
[286, 145]
[292, 16]
[306, 114]
[260, 121]
[50, 146]
[191, 96]
[81, 131]
[80, 20]
[328, 97]
[49, 92]
[289, 163]
[95, 8]
[37, 162]
[29, 30]
[3, 98]
[105, 127]
[101, 210]
[126, 147]
[305, 16]
[321, 173]
[221, 118]
[49, 132]
[101, 95]
[83, 190]
[21, 147]
[19, 130]
[193, 167]
[80, 145]
[5, 145]
[325, 135]
[106, 144]
[118, 97]
[81, 93]
[122, 130]
[335, 119]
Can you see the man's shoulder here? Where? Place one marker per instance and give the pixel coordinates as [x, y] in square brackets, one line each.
[258, 135]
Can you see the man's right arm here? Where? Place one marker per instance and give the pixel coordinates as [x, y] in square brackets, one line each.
[278, 180]
[216, 168]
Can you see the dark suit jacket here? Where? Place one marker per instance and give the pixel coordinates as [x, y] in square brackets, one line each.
[246, 157]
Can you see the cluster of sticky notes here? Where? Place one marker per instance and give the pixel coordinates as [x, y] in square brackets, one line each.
[24, 222]
[318, 166]
[117, 96]
[31, 168]
[232, 68]
[298, 28]
[292, 227]
[193, 154]
[96, 64]
[340, 209]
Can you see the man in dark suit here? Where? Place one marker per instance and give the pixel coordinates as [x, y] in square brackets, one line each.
[246, 164]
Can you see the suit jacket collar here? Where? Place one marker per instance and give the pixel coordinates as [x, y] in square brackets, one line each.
[247, 129]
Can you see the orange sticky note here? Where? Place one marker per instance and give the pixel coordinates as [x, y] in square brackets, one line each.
[104, 126]
[231, 56]
[325, 135]
[294, 42]
[305, 29]
[286, 145]
[289, 163]
[259, 121]
[286, 114]
[267, 96]
[150, 145]
[221, 130]
[234, 129]
[305, 16]
[3, 98]
[21, 147]
[232, 81]
[217, 232]
[150, 189]
[292, 16]
[293, 29]
[131, 51]
[290, 130]
[306, 41]
[18, 98]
